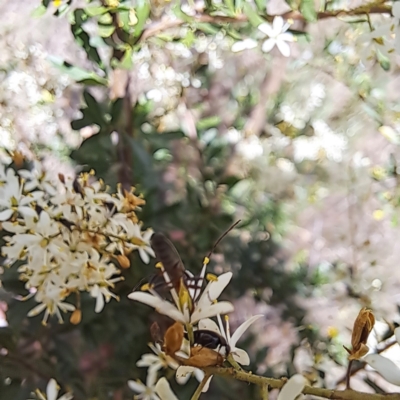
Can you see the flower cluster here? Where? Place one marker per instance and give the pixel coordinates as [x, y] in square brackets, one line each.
[194, 341]
[68, 236]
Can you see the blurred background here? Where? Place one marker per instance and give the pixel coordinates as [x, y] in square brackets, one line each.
[302, 149]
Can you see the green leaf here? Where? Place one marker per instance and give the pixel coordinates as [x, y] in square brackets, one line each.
[383, 61]
[181, 15]
[106, 19]
[78, 74]
[238, 6]
[82, 37]
[307, 8]
[93, 11]
[142, 13]
[39, 11]
[106, 30]
[189, 39]
[208, 122]
[231, 6]
[252, 15]
[97, 152]
[207, 28]
[261, 5]
[126, 61]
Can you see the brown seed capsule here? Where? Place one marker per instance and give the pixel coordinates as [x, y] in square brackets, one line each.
[123, 261]
[76, 317]
[363, 326]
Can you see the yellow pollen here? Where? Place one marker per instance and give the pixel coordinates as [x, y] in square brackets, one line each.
[159, 265]
[226, 318]
[146, 287]
[206, 261]
[211, 277]
[44, 242]
[137, 241]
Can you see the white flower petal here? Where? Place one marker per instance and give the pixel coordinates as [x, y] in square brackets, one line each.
[266, 28]
[207, 384]
[217, 287]
[199, 374]
[387, 368]
[242, 329]
[151, 378]
[268, 45]
[396, 9]
[283, 47]
[6, 214]
[223, 307]
[241, 356]
[162, 306]
[238, 46]
[292, 388]
[27, 212]
[144, 256]
[246, 44]
[52, 390]
[183, 374]
[277, 25]
[164, 390]
[397, 334]
[137, 386]
[99, 303]
[209, 325]
[287, 36]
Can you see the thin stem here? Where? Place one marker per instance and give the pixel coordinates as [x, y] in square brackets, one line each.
[278, 383]
[234, 364]
[155, 29]
[348, 374]
[264, 392]
[199, 389]
[189, 329]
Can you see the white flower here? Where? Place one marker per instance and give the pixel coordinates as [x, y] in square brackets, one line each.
[138, 240]
[205, 307]
[239, 355]
[277, 36]
[40, 243]
[157, 361]
[52, 390]
[183, 374]
[246, 44]
[292, 388]
[13, 200]
[51, 298]
[146, 392]
[37, 178]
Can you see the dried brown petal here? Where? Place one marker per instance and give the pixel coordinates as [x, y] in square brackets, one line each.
[360, 352]
[173, 339]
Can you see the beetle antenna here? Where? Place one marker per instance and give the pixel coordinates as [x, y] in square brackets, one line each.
[222, 236]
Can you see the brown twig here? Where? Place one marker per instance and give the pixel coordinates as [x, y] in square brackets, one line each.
[154, 29]
[278, 383]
